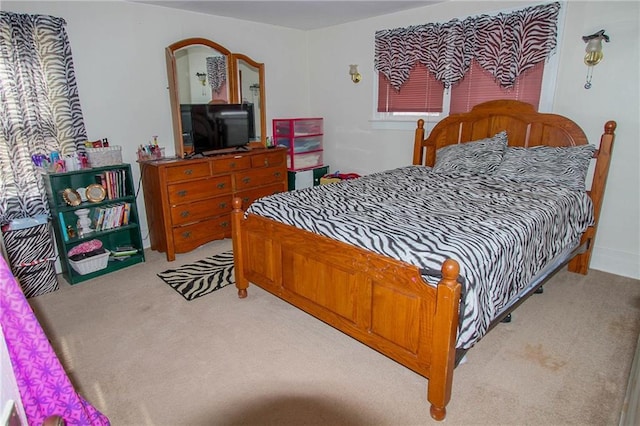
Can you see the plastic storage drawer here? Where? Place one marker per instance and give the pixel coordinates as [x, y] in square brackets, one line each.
[302, 144]
[305, 161]
[29, 245]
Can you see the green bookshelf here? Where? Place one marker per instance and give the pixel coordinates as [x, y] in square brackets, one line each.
[90, 193]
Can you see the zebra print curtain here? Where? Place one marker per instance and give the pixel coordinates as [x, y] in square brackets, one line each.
[217, 72]
[40, 108]
[504, 45]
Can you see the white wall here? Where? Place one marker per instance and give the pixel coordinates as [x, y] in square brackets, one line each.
[353, 145]
[119, 57]
[118, 51]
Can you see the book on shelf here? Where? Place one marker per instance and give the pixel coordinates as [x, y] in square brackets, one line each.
[109, 188]
[123, 252]
[126, 214]
[112, 216]
[114, 183]
[63, 225]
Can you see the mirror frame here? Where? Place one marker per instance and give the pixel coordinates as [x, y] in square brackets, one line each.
[234, 86]
[261, 80]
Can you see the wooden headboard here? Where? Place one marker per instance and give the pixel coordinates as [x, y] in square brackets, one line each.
[526, 128]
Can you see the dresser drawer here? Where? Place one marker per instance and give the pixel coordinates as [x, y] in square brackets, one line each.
[198, 190]
[188, 237]
[249, 196]
[256, 177]
[182, 214]
[269, 159]
[225, 165]
[188, 171]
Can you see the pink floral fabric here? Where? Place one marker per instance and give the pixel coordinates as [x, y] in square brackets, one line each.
[44, 386]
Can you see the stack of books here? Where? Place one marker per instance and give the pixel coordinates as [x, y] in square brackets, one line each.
[123, 252]
[114, 182]
[112, 216]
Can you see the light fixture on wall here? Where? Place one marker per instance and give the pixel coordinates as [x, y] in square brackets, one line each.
[593, 54]
[355, 75]
[202, 78]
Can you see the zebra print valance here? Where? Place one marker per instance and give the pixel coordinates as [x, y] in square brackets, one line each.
[217, 72]
[505, 45]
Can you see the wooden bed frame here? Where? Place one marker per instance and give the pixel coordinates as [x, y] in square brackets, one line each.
[382, 302]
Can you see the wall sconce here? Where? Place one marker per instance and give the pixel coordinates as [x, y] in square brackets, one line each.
[202, 77]
[355, 75]
[594, 53]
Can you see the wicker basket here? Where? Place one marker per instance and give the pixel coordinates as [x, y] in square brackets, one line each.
[109, 156]
[90, 264]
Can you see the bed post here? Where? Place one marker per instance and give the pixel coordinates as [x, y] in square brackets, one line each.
[238, 256]
[445, 329]
[580, 263]
[418, 149]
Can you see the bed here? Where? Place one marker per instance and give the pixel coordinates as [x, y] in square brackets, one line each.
[393, 268]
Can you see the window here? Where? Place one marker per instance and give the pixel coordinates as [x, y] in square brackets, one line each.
[479, 86]
[423, 93]
[439, 83]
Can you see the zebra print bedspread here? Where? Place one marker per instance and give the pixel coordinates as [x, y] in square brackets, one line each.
[501, 232]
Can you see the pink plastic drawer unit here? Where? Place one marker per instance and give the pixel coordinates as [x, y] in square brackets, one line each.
[303, 139]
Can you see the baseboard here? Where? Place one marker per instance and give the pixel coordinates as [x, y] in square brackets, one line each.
[616, 262]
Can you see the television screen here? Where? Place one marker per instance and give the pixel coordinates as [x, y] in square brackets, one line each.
[209, 128]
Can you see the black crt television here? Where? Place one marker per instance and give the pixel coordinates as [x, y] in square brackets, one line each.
[213, 128]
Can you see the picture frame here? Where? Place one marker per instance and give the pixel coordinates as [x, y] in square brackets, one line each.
[71, 197]
[96, 193]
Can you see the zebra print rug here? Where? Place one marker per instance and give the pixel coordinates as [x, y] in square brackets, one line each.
[197, 279]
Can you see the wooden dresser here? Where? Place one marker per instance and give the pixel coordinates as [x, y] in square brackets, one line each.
[188, 202]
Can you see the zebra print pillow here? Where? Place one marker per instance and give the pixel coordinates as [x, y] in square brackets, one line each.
[480, 157]
[565, 166]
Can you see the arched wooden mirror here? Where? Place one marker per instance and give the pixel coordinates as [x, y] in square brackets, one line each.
[201, 71]
[250, 79]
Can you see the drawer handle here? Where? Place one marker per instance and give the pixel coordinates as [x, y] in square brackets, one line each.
[182, 193]
[246, 180]
[186, 234]
[245, 199]
[222, 205]
[277, 174]
[224, 224]
[185, 213]
[221, 185]
[232, 164]
[188, 172]
[266, 162]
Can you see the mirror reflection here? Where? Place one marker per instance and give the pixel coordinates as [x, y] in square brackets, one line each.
[203, 74]
[251, 90]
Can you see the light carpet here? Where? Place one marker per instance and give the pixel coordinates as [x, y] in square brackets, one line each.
[143, 359]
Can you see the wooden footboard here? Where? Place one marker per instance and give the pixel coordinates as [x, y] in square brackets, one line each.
[382, 302]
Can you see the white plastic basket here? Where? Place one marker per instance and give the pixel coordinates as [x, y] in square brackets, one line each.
[109, 156]
[90, 264]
